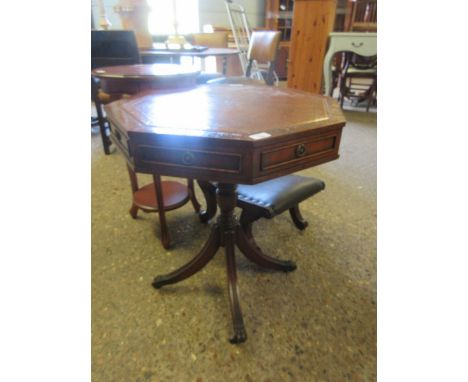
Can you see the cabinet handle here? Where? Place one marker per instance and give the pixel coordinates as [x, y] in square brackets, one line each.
[188, 158]
[357, 45]
[300, 151]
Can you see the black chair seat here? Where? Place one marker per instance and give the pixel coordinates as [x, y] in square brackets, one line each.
[278, 195]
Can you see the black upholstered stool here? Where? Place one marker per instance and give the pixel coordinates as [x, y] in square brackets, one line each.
[267, 199]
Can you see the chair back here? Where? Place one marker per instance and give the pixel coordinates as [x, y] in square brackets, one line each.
[263, 49]
[113, 47]
[211, 40]
[263, 46]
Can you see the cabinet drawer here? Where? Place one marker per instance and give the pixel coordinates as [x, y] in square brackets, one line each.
[120, 139]
[363, 45]
[299, 152]
[193, 159]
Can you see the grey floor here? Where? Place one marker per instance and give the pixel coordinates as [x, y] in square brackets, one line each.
[317, 323]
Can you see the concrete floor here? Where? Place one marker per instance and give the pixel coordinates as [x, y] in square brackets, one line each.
[317, 323]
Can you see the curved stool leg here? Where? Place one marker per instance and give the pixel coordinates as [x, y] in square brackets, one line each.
[249, 248]
[193, 197]
[193, 266]
[297, 218]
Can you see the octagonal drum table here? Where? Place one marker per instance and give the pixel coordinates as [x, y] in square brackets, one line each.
[230, 134]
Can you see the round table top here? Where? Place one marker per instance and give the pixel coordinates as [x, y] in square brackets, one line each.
[145, 71]
[203, 53]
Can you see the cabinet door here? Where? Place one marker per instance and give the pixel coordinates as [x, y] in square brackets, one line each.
[313, 21]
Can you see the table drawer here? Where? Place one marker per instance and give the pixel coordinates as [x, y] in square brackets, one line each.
[194, 159]
[120, 139]
[298, 152]
[364, 46]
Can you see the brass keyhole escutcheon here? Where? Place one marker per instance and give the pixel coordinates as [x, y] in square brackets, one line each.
[300, 150]
[188, 158]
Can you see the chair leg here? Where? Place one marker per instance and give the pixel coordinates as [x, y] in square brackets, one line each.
[103, 128]
[165, 239]
[134, 185]
[297, 218]
[209, 191]
[248, 216]
[134, 211]
[100, 117]
[370, 98]
[193, 197]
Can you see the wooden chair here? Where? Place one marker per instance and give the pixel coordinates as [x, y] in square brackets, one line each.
[263, 49]
[358, 79]
[266, 200]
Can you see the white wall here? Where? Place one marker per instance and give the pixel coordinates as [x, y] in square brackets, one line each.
[211, 12]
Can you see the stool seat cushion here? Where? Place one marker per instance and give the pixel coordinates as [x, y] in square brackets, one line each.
[278, 195]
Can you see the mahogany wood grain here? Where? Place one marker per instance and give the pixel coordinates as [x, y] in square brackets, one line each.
[133, 79]
[175, 195]
[222, 134]
[218, 128]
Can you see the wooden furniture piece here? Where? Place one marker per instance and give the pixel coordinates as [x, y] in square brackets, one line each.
[266, 199]
[113, 47]
[313, 21]
[263, 49]
[358, 75]
[279, 16]
[364, 16]
[211, 40]
[133, 79]
[148, 54]
[159, 196]
[134, 16]
[230, 140]
[364, 44]
[358, 79]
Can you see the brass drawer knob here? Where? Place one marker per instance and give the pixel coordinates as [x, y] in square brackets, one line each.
[300, 151]
[188, 158]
